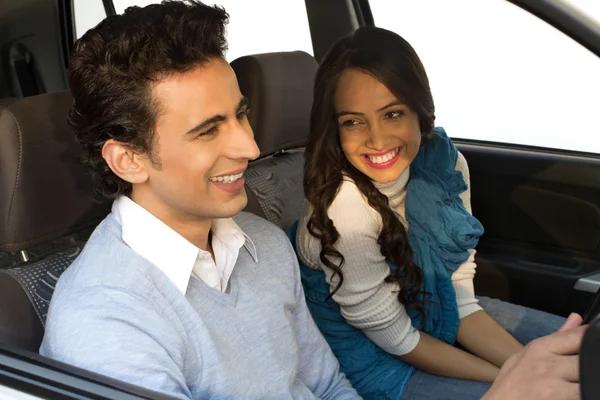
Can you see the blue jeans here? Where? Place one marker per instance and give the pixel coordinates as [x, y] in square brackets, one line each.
[525, 324]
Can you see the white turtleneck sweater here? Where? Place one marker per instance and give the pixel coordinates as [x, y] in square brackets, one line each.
[366, 301]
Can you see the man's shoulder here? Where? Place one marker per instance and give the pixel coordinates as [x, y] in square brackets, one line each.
[105, 261]
[271, 242]
[259, 229]
[107, 280]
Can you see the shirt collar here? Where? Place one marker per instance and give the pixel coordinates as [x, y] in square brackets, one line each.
[230, 234]
[166, 249]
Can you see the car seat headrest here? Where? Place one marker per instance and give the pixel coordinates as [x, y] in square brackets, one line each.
[45, 193]
[279, 87]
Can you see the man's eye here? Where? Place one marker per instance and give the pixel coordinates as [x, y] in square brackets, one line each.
[212, 131]
[243, 114]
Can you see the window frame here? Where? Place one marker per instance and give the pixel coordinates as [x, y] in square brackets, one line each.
[36, 375]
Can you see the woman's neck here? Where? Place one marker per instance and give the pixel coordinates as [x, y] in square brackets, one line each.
[396, 187]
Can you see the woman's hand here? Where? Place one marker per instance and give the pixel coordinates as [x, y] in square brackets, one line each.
[484, 337]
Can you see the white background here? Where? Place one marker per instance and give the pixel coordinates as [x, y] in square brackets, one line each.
[497, 73]
[255, 26]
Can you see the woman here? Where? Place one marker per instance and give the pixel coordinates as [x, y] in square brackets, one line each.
[386, 238]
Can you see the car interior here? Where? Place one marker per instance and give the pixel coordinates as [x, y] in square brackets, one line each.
[540, 207]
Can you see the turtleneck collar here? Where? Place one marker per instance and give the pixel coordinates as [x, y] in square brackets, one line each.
[394, 188]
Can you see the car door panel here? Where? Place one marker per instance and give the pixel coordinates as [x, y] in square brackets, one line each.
[541, 213]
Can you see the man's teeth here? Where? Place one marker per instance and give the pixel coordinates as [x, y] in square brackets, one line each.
[384, 158]
[227, 179]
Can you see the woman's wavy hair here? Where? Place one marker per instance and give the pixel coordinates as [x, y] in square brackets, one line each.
[390, 59]
[114, 67]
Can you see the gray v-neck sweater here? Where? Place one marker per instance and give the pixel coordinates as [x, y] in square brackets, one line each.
[115, 313]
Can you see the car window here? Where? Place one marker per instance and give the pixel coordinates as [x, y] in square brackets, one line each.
[87, 14]
[257, 26]
[590, 8]
[500, 74]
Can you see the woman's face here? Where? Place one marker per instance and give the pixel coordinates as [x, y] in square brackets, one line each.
[379, 134]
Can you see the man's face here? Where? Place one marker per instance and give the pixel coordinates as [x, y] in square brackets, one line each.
[203, 144]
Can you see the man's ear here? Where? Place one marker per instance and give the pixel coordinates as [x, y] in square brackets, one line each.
[125, 163]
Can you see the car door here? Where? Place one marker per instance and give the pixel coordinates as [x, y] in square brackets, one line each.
[28, 376]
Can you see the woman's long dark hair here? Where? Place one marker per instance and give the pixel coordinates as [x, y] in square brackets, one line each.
[389, 58]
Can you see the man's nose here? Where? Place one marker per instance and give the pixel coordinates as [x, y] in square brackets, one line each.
[242, 144]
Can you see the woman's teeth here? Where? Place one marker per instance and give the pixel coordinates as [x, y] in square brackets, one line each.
[227, 179]
[384, 158]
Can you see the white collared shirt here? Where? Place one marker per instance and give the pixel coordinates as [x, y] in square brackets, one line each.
[174, 255]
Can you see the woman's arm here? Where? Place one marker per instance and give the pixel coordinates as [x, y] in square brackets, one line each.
[439, 358]
[371, 304]
[478, 332]
[483, 336]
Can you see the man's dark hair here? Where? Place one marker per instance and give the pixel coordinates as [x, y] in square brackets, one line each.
[114, 66]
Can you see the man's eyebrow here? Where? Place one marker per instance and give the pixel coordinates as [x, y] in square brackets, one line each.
[206, 122]
[217, 118]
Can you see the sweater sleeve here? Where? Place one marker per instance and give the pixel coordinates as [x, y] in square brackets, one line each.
[366, 301]
[122, 338]
[462, 279]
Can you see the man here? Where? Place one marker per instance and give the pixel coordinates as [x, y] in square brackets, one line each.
[546, 369]
[170, 292]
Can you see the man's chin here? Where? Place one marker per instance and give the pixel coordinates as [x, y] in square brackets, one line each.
[234, 205]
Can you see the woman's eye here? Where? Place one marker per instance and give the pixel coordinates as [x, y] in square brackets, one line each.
[394, 114]
[351, 122]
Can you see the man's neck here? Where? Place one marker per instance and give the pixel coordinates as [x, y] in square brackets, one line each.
[195, 230]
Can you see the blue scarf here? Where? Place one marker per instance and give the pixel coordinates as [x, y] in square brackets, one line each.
[441, 232]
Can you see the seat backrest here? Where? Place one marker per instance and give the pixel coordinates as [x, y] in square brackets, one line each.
[47, 208]
[45, 192]
[279, 87]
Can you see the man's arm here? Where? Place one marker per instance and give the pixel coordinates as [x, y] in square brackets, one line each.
[116, 334]
[318, 369]
[546, 369]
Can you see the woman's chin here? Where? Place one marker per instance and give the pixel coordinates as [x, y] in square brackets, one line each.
[387, 175]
